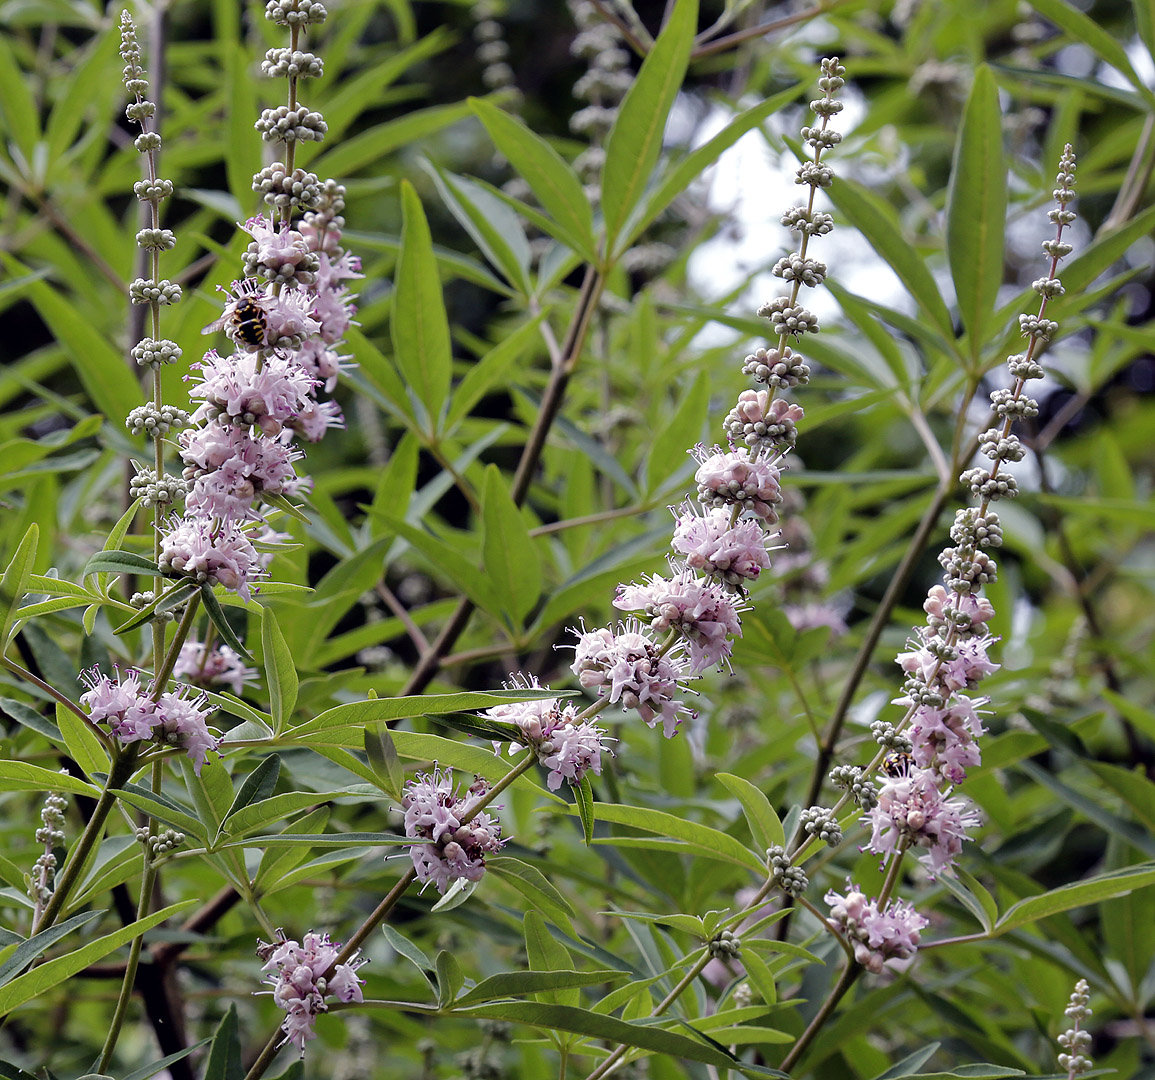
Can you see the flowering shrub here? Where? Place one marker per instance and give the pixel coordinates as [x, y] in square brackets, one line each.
[371, 592]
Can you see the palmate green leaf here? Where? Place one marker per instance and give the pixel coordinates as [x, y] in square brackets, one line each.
[21, 117]
[382, 754]
[583, 795]
[120, 562]
[173, 596]
[878, 224]
[597, 1026]
[419, 326]
[380, 710]
[449, 561]
[1113, 823]
[635, 141]
[30, 718]
[511, 561]
[668, 451]
[41, 979]
[24, 776]
[555, 184]
[495, 228]
[763, 821]
[521, 983]
[163, 809]
[404, 947]
[276, 808]
[14, 583]
[279, 858]
[280, 670]
[1077, 894]
[38, 944]
[722, 845]
[977, 208]
[909, 1064]
[147, 1071]
[242, 153]
[450, 978]
[82, 742]
[1132, 786]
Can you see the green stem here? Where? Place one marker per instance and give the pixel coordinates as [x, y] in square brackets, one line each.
[382, 910]
[182, 632]
[147, 885]
[56, 695]
[847, 980]
[699, 966]
[119, 773]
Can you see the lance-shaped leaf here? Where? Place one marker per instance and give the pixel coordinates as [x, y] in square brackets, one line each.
[635, 141]
[280, 670]
[511, 560]
[555, 184]
[419, 326]
[40, 979]
[38, 944]
[14, 583]
[216, 615]
[977, 208]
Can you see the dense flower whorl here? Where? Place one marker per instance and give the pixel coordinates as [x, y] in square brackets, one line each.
[913, 811]
[734, 553]
[244, 389]
[211, 553]
[704, 612]
[220, 667]
[176, 718]
[566, 746]
[628, 667]
[877, 936]
[229, 469]
[300, 986]
[734, 478]
[946, 740]
[433, 812]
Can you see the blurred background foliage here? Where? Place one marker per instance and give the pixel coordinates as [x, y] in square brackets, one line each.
[899, 386]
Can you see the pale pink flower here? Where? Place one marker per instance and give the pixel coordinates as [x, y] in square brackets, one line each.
[222, 667]
[566, 746]
[297, 973]
[701, 610]
[215, 553]
[627, 667]
[433, 812]
[913, 811]
[229, 469]
[877, 936]
[181, 722]
[734, 478]
[734, 553]
[233, 388]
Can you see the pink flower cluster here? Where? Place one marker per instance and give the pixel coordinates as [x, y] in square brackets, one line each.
[703, 611]
[739, 478]
[913, 811]
[566, 745]
[732, 551]
[452, 850]
[629, 668]
[127, 706]
[220, 666]
[877, 936]
[286, 320]
[298, 973]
